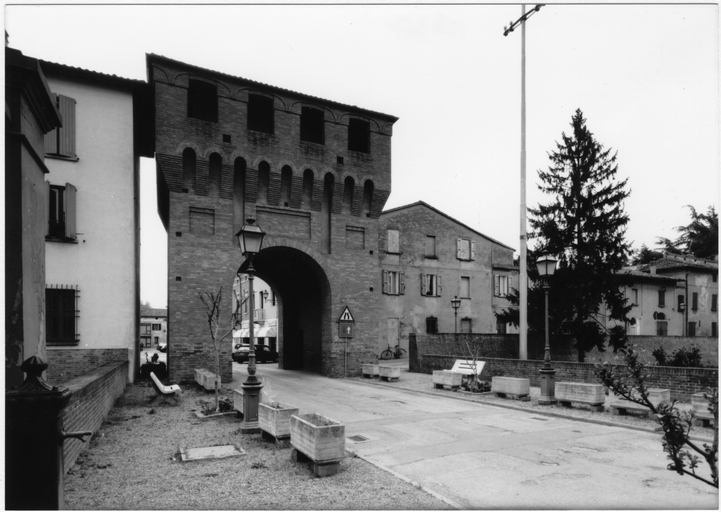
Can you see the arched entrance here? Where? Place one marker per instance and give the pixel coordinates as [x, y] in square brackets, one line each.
[303, 293]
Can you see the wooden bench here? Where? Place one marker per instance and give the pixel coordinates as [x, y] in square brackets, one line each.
[592, 394]
[162, 391]
[206, 379]
[655, 396]
[513, 387]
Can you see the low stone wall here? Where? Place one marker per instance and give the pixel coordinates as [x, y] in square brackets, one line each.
[683, 382]
[93, 396]
[65, 364]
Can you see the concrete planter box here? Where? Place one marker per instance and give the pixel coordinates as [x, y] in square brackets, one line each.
[320, 439]
[369, 370]
[519, 387]
[593, 394]
[447, 378]
[274, 418]
[207, 379]
[699, 404]
[389, 372]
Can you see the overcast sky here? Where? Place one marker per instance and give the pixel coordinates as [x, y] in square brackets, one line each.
[645, 77]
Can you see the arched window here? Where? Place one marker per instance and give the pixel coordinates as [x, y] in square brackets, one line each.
[307, 188]
[348, 186]
[286, 178]
[367, 198]
[189, 170]
[238, 194]
[263, 182]
[216, 163]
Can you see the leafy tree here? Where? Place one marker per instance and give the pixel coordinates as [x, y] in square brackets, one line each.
[629, 382]
[700, 237]
[645, 255]
[584, 225]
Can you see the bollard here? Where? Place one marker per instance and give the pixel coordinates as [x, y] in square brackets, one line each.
[34, 435]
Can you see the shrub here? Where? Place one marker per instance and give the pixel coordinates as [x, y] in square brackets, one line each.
[686, 357]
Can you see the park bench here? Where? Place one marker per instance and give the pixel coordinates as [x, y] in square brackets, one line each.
[162, 391]
[655, 396]
[592, 394]
[453, 378]
[206, 379]
[702, 416]
[511, 387]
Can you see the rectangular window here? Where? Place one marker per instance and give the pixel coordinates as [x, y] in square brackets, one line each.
[260, 114]
[61, 215]
[394, 242]
[203, 101]
[681, 303]
[61, 316]
[661, 298]
[312, 125]
[145, 329]
[465, 249]
[634, 296]
[359, 135]
[661, 328]
[393, 282]
[60, 142]
[694, 301]
[430, 246]
[692, 329]
[465, 291]
[431, 325]
[501, 327]
[156, 327]
[714, 329]
[714, 302]
[430, 285]
[501, 286]
[157, 340]
[466, 325]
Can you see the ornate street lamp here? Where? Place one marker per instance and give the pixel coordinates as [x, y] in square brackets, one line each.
[456, 303]
[250, 241]
[546, 267]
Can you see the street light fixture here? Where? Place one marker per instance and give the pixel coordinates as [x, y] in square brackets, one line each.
[456, 303]
[546, 267]
[250, 241]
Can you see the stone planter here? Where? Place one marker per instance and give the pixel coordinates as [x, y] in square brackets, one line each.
[512, 386]
[448, 378]
[274, 418]
[319, 438]
[369, 370]
[389, 372]
[699, 403]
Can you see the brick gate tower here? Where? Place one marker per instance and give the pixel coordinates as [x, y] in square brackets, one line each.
[315, 174]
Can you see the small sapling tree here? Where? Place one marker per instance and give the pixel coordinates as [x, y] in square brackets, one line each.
[686, 455]
[218, 334]
[473, 351]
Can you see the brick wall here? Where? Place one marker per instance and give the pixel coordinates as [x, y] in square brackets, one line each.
[93, 396]
[65, 364]
[683, 382]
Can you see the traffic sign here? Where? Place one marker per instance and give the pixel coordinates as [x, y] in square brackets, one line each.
[346, 315]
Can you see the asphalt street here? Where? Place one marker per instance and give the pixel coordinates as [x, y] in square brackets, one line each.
[479, 456]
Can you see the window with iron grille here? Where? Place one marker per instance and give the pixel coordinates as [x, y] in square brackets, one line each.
[203, 100]
[691, 329]
[432, 325]
[61, 316]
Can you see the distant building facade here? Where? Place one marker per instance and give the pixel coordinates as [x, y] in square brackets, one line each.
[428, 258]
[153, 327]
[265, 312]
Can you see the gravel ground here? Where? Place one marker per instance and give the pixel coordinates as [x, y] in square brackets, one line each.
[132, 464]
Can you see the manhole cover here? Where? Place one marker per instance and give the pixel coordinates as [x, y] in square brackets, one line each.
[358, 438]
[539, 419]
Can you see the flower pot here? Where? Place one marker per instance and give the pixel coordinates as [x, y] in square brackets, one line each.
[370, 370]
[389, 372]
[319, 438]
[274, 418]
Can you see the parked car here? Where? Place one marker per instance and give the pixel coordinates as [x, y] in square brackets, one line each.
[263, 354]
[163, 347]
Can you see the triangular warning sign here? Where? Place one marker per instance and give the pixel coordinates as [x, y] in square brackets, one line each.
[346, 316]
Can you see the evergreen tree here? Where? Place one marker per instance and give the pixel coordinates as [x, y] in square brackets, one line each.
[584, 227]
[645, 255]
[700, 237]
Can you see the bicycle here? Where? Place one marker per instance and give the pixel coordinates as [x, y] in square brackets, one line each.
[396, 353]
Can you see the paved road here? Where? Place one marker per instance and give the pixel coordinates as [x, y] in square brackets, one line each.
[479, 456]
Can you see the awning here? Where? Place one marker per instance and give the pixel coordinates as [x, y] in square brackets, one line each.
[260, 332]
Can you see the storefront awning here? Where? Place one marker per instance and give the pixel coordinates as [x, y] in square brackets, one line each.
[260, 332]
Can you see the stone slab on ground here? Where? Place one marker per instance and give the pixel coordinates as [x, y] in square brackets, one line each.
[211, 452]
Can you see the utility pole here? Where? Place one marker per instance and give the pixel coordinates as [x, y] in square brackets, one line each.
[523, 273]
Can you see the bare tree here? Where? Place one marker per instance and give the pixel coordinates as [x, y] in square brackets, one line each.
[473, 352]
[630, 383]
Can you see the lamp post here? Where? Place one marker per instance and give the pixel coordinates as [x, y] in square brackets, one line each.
[456, 303]
[546, 267]
[523, 271]
[250, 241]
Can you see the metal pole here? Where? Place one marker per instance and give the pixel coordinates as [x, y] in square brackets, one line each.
[251, 331]
[252, 386]
[547, 357]
[523, 279]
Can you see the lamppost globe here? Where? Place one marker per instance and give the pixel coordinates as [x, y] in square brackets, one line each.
[250, 238]
[546, 265]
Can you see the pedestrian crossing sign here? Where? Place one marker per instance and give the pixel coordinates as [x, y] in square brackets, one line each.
[346, 315]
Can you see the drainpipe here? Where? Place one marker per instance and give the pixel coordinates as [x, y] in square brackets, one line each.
[685, 310]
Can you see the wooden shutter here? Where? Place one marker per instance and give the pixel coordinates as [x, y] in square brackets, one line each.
[459, 243]
[70, 211]
[424, 287]
[384, 280]
[473, 250]
[439, 288]
[497, 287]
[66, 139]
[51, 138]
[401, 283]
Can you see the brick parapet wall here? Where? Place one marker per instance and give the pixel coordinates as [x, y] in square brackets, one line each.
[93, 395]
[683, 382]
[65, 364]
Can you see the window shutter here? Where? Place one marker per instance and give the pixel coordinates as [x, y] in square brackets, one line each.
[66, 140]
[401, 283]
[473, 250]
[51, 138]
[70, 209]
[393, 241]
[424, 286]
[384, 280]
[439, 288]
[497, 287]
[459, 243]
